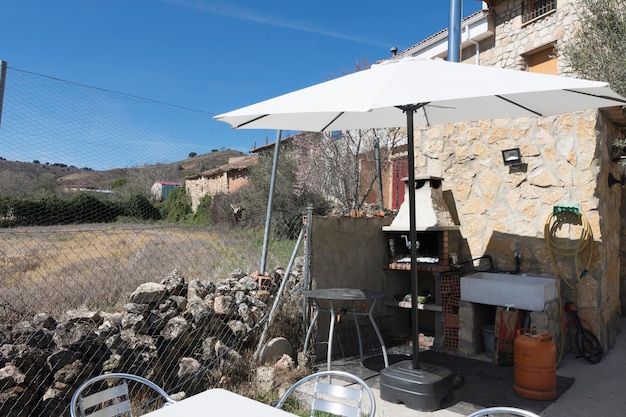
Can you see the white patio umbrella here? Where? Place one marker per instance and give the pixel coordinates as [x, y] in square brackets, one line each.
[410, 91]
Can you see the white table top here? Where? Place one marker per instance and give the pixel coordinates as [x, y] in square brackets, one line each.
[218, 402]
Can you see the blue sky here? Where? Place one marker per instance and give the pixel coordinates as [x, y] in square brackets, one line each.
[212, 56]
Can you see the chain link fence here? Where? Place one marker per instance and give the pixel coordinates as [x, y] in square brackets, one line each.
[96, 277]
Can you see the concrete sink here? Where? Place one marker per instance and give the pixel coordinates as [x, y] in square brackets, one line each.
[523, 292]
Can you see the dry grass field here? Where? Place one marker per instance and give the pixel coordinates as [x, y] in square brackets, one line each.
[53, 269]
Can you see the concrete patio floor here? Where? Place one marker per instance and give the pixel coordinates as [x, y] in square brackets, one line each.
[598, 390]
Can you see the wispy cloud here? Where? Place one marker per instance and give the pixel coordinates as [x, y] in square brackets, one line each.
[241, 13]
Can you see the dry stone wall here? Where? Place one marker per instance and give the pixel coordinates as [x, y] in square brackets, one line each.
[182, 335]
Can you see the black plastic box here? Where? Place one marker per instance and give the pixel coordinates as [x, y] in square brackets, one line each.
[423, 389]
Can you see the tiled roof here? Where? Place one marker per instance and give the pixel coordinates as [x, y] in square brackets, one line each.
[407, 52]
[237, 165]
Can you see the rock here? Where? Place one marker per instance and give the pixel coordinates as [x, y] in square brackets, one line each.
[70, 373]
[224, 304]
[137, 308]
[249, 283]
[208, 348]
[149, 292]
[61, 358]
[264, 378]
[10, 376]
[187, 367]
[82, 315]
[285, 363]
[275, 349]
[44, 320]
[180, 302]
[199, 311]
[176, 328]
[175, 284]
[237, 274]
[238, 328]
[113, 364]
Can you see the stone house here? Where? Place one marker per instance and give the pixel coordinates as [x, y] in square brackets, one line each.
[503, 209]
[225, 179]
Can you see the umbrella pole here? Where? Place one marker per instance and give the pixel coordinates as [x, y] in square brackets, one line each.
[410, 110]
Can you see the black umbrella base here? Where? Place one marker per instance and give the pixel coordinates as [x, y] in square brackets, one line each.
[423, 389]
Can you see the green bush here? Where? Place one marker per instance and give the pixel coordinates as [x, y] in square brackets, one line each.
[118, 183]
[52, 210]
[202, 216]
[138, 206]
[177, 206]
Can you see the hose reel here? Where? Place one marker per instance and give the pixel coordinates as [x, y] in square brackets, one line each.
[559, 247]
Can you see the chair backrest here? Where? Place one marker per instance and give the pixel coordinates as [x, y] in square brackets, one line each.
[113, 400]
[508, 411]
[335, 398]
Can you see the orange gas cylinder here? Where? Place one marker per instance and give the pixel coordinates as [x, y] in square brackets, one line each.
[535, 365]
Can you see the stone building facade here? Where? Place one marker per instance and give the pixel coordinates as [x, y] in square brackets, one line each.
[566, 160]
[225, 179]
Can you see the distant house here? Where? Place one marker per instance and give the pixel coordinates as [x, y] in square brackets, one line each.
[225, 179]
[270, 146]
[160, 190]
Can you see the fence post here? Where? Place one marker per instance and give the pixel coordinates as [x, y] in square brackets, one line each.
[3, 77]
[270, 198]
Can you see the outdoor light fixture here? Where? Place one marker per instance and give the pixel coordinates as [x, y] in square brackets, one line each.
[512, 156]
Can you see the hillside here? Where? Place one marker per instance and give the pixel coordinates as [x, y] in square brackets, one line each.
[27, 179]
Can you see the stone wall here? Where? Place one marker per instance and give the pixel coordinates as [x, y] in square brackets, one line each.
[199, 187]
[504, 209]
[513, 39]
[185, 336]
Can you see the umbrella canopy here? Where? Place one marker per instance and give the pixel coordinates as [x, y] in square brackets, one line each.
[410, 91]
[443, 91]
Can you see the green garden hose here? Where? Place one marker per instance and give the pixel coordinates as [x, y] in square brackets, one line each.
[561, 216]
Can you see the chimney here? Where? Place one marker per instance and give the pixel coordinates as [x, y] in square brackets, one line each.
[431, 211]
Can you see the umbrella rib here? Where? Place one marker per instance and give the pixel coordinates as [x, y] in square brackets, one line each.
[251, 121]
[332, 121]
[415, 107]
[595, 95]
[518, 105]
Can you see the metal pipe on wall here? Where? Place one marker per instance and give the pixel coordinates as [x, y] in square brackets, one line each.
[454, 31]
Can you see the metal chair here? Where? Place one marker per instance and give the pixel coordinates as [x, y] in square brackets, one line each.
[494, 411]
[336, 399]
[110, 400]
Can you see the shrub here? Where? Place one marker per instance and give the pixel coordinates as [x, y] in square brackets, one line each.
[138, 206]
[176, 207]
[202, 216]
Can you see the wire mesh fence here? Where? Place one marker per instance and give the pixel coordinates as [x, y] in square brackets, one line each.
[97, 276]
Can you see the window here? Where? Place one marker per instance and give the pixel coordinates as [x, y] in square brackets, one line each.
[532, 9]
[542, 61]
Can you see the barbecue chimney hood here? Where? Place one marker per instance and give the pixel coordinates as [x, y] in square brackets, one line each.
[431, 211]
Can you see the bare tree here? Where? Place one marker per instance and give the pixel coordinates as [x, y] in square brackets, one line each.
[340, 165]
